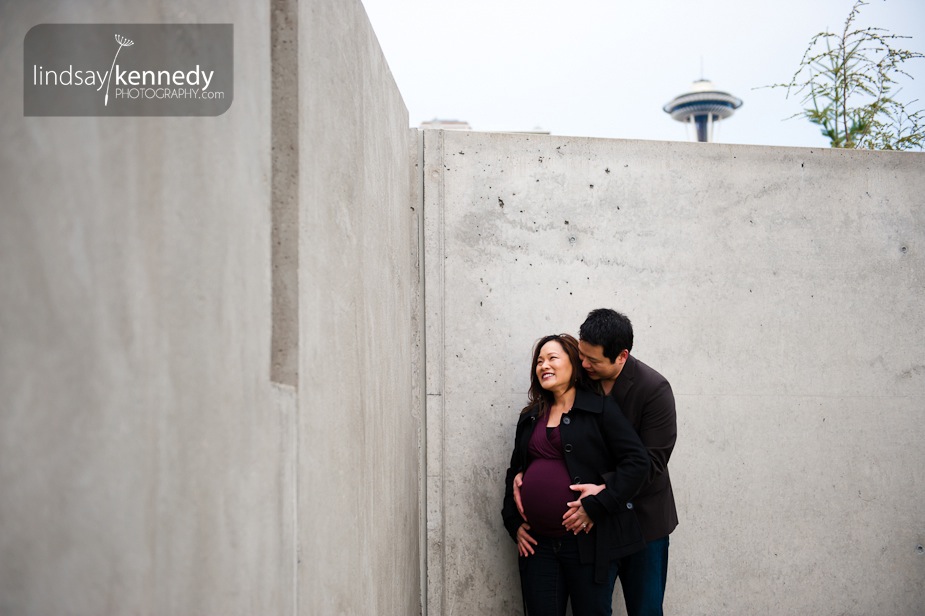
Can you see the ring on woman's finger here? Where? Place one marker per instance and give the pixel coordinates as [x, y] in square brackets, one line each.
[583, 524]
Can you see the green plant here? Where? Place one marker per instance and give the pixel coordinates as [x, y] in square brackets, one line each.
[848, 81]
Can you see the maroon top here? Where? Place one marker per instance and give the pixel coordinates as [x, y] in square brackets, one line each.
[545, 490]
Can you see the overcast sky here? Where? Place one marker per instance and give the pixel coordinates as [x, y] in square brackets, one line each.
[605, 68]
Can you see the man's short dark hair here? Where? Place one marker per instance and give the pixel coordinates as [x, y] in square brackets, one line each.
[609, 329]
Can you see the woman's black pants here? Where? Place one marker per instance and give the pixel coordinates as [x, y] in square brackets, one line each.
[554, 575]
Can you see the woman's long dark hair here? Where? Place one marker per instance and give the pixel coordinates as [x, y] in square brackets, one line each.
[542, 399]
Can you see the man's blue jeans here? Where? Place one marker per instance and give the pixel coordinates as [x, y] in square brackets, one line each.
[643, 576]
[554, 574]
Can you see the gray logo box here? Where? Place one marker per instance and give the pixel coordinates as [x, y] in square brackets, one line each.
[128, 69]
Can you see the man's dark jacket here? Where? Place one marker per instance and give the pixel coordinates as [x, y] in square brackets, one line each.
[646, 399]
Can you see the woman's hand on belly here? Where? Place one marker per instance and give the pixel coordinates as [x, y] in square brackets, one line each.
[525, 542]
[519, 481]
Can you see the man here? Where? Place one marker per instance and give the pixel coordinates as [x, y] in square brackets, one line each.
[645, 397]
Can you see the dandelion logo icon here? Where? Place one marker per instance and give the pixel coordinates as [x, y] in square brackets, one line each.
[123, 42]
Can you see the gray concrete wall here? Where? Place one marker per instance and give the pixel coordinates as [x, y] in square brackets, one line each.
[359, 441]
[779, 290]
[149, 463]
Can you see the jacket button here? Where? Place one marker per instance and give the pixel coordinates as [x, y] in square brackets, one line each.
[629, 505]
[576, 479]
[568, 448]
[566, 420]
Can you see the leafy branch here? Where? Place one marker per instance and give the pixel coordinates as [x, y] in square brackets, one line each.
[849, 81]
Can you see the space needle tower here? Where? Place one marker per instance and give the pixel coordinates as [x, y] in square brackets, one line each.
[703, 106]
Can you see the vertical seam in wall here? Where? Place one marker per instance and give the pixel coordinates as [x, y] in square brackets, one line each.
[284, 255]
[434, 294]
[420, 357]
[284, 189]
[296, 552]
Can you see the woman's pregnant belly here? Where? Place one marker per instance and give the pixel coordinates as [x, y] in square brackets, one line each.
[544, 495]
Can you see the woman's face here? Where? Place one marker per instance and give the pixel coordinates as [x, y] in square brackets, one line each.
[553, 367]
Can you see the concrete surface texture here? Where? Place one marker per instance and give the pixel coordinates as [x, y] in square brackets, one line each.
[149, 464]
[359, 444]
[780, 292]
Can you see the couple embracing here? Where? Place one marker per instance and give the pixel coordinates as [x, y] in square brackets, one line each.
[587, 496]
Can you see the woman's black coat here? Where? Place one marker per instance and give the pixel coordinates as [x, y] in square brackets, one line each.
[600, 447]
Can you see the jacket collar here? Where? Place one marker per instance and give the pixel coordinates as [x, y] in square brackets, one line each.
[584, 400]
[588, 401]
[625, 381]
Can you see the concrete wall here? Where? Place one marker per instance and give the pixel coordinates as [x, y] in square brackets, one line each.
[149, 463]
[359, 445]
[779, 290]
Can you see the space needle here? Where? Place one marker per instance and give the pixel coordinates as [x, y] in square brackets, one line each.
[703, 106]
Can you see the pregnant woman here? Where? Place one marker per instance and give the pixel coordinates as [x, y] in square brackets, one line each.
[578, 463]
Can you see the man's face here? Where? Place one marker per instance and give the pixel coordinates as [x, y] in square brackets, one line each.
[596, 365]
